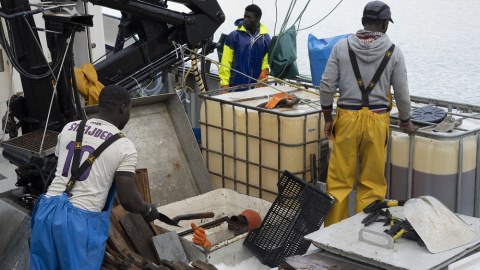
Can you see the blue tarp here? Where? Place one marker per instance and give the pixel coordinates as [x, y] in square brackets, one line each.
[318, 53]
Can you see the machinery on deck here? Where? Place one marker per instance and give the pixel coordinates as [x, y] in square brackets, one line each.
[50, 99]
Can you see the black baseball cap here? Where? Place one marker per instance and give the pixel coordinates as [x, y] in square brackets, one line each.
[377, 10]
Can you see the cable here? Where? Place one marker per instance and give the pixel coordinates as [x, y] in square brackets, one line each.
[184, 78]
[198, 78]
[323, 17]
[98, 59]
[293, 85]
[282, 29]
[306, 101]
[10, 52]
[40, 47]
[182, 92]
[203, 67]
[276, 17]
[145, 51]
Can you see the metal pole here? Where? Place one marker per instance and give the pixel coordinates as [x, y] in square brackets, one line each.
[234, 150]
[207, 154]
[246, 152]
[410, 166]
[222, 141]
[388, 177]
[477, 181]
[305, 146]
[319, 137]
[278, 146]
[260, 154]
[459, 176]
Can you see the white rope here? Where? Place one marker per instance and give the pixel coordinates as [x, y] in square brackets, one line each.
[182, 92]
[138, 85]
[54, 77]
[54, 92]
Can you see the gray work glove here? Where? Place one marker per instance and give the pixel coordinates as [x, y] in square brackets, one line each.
[447, 125]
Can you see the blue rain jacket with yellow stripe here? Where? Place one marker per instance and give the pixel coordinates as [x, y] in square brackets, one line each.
[245, 53]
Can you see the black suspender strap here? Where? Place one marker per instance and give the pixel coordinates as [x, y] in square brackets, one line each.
[78, 171]
[78, 147]
[376, 77]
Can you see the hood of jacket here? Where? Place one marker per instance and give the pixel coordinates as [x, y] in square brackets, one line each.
[239, 24]
[369, 52]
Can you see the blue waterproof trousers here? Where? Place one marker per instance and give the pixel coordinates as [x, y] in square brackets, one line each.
[66, 237]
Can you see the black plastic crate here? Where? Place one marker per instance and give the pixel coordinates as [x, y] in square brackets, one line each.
[299, 209]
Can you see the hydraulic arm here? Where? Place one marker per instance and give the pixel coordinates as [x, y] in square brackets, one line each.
[155, 27]
[50, 98]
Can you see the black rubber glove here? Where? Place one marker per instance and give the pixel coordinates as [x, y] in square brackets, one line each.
[151, 215]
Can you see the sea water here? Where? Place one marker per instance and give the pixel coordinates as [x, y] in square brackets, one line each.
[439, 38]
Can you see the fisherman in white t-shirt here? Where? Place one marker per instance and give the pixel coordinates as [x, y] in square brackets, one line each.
[70, 226]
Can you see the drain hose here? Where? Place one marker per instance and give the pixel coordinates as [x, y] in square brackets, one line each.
[198, 77]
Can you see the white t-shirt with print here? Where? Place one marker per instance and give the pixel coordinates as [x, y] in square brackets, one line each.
[91, 189]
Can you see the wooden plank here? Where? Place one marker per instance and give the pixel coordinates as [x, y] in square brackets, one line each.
[140, 261]
[141, 180]
[111, 261]
[140, 234]
[203, 265]
[116, 200]
[133, 257]
[154, 228]
[115, 215]
[143, 187]
[116, 240]
[119, 212]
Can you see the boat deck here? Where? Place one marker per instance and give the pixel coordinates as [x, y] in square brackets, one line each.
[8, 177]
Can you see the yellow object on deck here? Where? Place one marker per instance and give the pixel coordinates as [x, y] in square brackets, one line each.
[88, 84]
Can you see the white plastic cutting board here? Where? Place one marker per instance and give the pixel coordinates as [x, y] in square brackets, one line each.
[343, 239]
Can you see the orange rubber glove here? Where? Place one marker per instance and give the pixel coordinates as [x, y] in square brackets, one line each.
[199, 236]
[275, 99]
[263, 76]
[223, 87]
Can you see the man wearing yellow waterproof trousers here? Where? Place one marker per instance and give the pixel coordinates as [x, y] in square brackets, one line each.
[361, 125]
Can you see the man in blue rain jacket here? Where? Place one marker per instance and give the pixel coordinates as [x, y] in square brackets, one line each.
[246, 51]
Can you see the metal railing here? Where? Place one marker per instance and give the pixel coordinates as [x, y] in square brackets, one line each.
[213, 96]
[471, 112]
[459, 110]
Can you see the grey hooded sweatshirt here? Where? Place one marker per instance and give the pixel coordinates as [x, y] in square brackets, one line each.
[369, 56]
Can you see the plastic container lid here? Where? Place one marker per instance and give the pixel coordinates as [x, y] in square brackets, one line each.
[429, 114]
